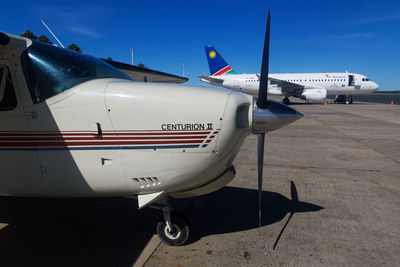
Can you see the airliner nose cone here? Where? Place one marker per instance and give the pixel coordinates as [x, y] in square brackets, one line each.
[375, 86]
[274, 117]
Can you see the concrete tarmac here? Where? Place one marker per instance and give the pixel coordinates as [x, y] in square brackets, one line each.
[331, 197]
[383, 98]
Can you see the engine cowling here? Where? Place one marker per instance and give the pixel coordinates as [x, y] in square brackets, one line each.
[314, 94]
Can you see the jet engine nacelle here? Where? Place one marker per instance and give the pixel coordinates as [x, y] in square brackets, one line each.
[314, 94]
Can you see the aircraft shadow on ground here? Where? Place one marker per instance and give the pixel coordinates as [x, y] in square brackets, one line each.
[112, 232]
[234, 209]
[73, 232]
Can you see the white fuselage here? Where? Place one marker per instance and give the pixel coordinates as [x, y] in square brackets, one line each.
[109, 136]
[73, 126]
[334, 83]
[53, 148]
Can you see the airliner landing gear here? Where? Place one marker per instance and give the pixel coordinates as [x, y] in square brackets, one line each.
[172, 229]
[286, 101]
[350, 101]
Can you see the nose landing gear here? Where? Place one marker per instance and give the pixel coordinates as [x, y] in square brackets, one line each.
[172, 229]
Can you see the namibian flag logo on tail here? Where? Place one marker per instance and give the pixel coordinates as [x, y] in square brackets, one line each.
[218, 66]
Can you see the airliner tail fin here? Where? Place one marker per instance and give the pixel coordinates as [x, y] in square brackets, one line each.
[218, 66]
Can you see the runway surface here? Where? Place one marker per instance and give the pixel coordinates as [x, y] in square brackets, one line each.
[342, 163]
[331, 197]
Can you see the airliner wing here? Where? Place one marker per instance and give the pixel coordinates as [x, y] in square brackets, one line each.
[211, 79]
[288, 88]
[144, 74]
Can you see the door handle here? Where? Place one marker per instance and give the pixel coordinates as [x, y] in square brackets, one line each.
[99, 130]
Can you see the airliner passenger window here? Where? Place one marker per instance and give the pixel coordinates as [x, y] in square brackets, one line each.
[8, 100]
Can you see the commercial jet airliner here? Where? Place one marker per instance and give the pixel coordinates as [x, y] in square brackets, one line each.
[306, 86]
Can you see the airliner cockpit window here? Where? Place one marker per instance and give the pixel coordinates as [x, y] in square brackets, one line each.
[50, 70]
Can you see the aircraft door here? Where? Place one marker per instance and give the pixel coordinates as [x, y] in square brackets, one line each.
[351, 80]
[19, 164]
[81, 159]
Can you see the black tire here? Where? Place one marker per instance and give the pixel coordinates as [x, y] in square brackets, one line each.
[181, 231]
[286, 101]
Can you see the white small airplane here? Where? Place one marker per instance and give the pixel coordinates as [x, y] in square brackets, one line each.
[306, 86]
[72, 125]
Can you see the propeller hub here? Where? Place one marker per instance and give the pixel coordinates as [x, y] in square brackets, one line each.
[276, 116]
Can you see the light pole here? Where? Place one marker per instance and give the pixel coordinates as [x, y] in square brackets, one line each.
[132, 49]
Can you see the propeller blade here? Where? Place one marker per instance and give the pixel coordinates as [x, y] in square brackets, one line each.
[260, 163]
[262, 104]
[263, 87]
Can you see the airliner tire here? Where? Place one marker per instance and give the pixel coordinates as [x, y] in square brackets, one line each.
[286, 101]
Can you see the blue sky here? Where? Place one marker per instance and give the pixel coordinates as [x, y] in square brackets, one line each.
[306, 36]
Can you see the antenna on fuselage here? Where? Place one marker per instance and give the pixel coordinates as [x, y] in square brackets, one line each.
[52, 34]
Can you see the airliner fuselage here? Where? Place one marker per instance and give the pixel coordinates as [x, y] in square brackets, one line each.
[334, 83]
[307, 86]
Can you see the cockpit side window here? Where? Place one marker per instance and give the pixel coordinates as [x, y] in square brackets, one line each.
[8, 99]
[51, 70]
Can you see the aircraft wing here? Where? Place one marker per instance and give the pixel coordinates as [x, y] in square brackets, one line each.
[288, 88]
[144, 74]
[211, 79]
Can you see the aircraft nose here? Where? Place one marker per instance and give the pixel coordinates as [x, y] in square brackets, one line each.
[274, 117]
[375, 86]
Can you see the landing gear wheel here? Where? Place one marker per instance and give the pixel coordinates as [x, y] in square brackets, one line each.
[176, 236]
[286, 101]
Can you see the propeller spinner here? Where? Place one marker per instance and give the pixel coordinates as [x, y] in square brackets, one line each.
[268, 115]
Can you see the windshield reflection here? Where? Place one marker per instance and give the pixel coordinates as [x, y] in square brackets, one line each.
[50, 70]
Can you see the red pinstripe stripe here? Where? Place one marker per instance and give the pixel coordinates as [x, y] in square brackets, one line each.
[60, 139]
[95, 133]
[96, 138]
[224, 70]
[52, 144]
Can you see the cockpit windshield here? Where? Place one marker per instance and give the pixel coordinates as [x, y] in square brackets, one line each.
[365, 79]
[50, 70]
